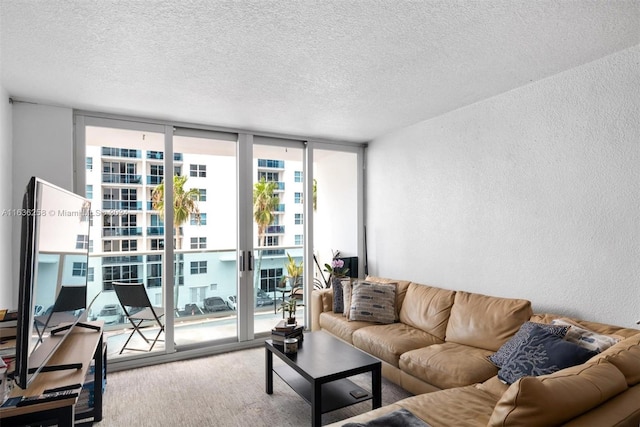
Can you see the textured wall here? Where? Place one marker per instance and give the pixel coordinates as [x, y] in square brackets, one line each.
[534, 193]
[6, 248]
[42, 146]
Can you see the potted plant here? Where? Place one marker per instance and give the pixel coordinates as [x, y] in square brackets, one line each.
[336, 269]
[289, 307]
[294, 271]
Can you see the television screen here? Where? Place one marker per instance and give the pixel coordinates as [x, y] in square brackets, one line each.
[53, 271]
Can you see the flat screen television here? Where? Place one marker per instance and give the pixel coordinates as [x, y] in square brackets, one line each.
[54, 255]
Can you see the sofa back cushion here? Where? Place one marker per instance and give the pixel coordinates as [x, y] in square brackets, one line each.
[553, 399]
[484, 321]
[601, 328]
[625, 356]
[427, 308]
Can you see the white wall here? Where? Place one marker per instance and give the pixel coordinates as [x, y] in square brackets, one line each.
[534, 194]
[43, 147]
[7, 282]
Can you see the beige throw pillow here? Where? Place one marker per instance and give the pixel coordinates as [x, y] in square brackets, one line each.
[373, 302]
[584, 337]
[346, 296]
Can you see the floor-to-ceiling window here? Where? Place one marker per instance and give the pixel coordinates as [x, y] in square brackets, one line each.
[337, 208]
[278, 181]
[229, 270]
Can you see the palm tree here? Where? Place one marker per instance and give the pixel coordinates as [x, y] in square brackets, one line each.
[184, 205]
[265, 203]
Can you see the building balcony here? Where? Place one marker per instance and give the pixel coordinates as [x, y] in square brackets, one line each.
[270, 164]
[159, 155]
[155, 231]
[275, 229]
[121, 205]
[154, 179]
[121, 178]
[267, 252]
[121, 152]
[135, 259]
[121, 231]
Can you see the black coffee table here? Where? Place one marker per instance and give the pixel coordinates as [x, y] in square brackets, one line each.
[319, 373]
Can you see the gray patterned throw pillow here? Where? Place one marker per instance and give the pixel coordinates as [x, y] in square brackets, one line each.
[373, 302]
[338, 299]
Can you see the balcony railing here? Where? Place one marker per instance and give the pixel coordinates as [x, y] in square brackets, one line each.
[275, 229]
[159, 155]
[121, 152]
[272, 251]
[155, 231]
[268, 163]
[121, 178]
[132, 259]
[154, 179]
[121, 231]
[121, 205]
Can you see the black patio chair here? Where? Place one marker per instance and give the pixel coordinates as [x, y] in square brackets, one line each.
[68, 304]
[138, 309]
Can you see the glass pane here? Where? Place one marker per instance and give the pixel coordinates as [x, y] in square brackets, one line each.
[335, 220]
[278, 233]
[205, 238]
[122, 166]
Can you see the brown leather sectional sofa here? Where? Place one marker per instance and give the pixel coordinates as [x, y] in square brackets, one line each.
[438, 351]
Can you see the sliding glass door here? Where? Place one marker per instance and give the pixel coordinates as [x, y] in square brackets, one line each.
[218, 226]
[205, 278]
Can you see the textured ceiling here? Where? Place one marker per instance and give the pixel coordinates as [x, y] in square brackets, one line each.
[349, 70]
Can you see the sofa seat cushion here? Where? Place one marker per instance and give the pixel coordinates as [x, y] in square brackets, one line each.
[448, 365]
[368, 416]
[427, 308]
[461, 407]
[388, 342]
[485, 321]
[339, 326]
[555, 398]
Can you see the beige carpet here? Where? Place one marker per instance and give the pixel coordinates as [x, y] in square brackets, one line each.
[222, 390]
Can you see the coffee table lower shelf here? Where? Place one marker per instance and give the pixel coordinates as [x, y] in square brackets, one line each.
[335, 394]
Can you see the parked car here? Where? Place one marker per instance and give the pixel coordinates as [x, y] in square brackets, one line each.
[214, 304]
[264, 298]
[191, 309]
[111, 314]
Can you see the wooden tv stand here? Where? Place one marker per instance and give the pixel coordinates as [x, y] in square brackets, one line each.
[81, 346]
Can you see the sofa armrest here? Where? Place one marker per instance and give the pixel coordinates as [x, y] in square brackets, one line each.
[321, 301]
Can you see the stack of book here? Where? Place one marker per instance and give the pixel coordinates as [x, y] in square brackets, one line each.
[283, 331]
